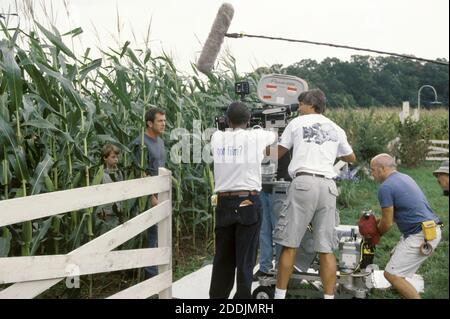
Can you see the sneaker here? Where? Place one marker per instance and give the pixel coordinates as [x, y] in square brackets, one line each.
[259, 274]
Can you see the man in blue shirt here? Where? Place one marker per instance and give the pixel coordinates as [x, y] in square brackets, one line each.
[402, 202]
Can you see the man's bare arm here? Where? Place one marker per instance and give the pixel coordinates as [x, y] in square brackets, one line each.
[276, 150]
[281, 151]
[387, 219]
[348, 158]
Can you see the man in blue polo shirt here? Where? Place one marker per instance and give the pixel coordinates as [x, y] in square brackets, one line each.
[402, 202]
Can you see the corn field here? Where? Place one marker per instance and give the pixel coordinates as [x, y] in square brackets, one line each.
[57, 109]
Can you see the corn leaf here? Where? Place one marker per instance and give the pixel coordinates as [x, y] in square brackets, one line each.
[68, 88]
[5, 243]
[134, 58]
[89, 67]
[74, 32]
[42, 232]
[124, 48]
[18, 159]
[56, 41]
[49, 183]
[41, 171]
[12, 74]
[122, 96]
[98, 176]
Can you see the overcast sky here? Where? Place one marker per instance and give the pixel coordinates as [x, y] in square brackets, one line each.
[415, 27]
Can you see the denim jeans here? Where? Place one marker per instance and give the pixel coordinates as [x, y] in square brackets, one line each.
[265, 237]
[152, 240]
[237, 231]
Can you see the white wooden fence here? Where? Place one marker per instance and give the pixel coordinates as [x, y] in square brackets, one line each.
[438, 150]
[33, 275]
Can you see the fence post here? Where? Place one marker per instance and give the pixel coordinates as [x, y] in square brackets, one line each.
[165, 232]
[405, 111]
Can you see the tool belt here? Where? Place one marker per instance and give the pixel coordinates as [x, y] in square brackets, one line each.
[429, 230]
[429, 234]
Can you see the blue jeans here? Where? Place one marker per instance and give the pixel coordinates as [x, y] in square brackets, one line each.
[152, 240]
[265, 236]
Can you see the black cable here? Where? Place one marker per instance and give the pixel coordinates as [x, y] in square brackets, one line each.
[241, 35]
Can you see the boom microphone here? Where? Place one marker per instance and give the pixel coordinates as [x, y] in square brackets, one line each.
[215, 38]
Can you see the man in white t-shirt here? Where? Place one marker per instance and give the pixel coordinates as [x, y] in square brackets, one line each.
[238, 153]
[317, 142]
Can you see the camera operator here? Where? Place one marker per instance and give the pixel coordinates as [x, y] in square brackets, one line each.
[237, 154]
[317, 142]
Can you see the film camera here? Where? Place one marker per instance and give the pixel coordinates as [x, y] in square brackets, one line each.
[278, 95]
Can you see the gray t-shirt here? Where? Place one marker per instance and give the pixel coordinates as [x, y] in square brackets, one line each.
[111, 176]
[156, 153]
[411, 207]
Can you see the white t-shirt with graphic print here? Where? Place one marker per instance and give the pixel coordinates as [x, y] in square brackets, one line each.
[237, 158]
[317, 142]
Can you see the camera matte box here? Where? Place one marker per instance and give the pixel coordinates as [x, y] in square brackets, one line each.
[280, 89]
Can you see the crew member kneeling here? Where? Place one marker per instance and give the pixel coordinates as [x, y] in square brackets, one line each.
[403, 202]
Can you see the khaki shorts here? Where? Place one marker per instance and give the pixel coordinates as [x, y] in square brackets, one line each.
[406, 257]
[310, 200]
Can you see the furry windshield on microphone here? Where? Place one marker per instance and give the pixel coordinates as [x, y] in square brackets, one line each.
[215, 38]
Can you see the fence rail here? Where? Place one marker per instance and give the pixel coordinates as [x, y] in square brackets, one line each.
[34, 275]
[437, 150]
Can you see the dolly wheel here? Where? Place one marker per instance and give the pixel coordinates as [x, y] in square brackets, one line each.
[264, 292]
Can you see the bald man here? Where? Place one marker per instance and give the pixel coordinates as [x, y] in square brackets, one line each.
[402, 202]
